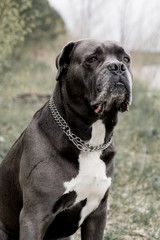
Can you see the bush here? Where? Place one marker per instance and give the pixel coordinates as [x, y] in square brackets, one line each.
[12, 27]
[48, 25]
[25, 20]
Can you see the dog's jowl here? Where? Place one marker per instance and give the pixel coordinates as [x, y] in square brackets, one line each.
[57, 176]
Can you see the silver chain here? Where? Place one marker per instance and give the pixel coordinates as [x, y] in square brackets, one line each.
[78, 142]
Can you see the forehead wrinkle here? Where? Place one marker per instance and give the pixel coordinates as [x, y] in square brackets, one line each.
[97, 51]
[115, 51]
[90, 48]
[108, 48]
[88, 51]
[113, 48]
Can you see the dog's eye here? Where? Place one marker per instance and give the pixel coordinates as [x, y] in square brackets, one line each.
[126, 59]
[92, 59]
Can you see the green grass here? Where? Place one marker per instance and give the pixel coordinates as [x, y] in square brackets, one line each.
[134, 205]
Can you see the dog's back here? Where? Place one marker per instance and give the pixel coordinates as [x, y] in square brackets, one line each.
[10, 191]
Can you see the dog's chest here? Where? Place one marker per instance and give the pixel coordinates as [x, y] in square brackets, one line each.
[91, 183]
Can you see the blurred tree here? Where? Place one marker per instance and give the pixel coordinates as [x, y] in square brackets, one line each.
[12, 27]
[123, 21]
[86, 16]
[48, 24]
[25, 20]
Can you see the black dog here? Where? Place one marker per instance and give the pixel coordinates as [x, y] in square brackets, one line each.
[56, 177]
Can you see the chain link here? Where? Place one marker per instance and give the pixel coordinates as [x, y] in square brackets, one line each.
[77, 141]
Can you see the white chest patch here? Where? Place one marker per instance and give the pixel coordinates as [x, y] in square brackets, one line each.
[91, 183]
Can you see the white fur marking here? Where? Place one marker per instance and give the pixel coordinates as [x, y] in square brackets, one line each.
[91, 183]
[130, 82]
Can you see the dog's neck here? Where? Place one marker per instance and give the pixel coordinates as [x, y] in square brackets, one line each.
[81, 118]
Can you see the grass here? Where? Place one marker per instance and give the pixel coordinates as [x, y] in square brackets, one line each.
[134, 211]
[134, 206]
[27, 76]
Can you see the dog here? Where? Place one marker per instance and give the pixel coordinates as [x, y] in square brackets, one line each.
[56, 178]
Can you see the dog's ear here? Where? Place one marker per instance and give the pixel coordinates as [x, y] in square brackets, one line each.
[63, 59]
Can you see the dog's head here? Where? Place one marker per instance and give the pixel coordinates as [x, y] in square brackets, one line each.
[98, 72]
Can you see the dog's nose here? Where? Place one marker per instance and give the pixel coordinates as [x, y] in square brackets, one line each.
[116, 67]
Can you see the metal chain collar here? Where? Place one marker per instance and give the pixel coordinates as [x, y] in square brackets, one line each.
[78, 142]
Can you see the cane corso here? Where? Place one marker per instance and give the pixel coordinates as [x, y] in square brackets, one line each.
[57, 176]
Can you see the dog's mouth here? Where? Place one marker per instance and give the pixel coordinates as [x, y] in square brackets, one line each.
[99, 108]
[124, 106]
[120, 99]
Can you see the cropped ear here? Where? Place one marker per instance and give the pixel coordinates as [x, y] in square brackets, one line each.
[63, 59]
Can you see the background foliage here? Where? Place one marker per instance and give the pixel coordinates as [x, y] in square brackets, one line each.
[22, 21]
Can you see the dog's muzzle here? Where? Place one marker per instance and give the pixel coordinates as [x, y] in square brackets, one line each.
[115, 84]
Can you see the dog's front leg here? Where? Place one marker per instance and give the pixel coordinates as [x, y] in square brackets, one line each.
[93, 227]
[33, 225]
